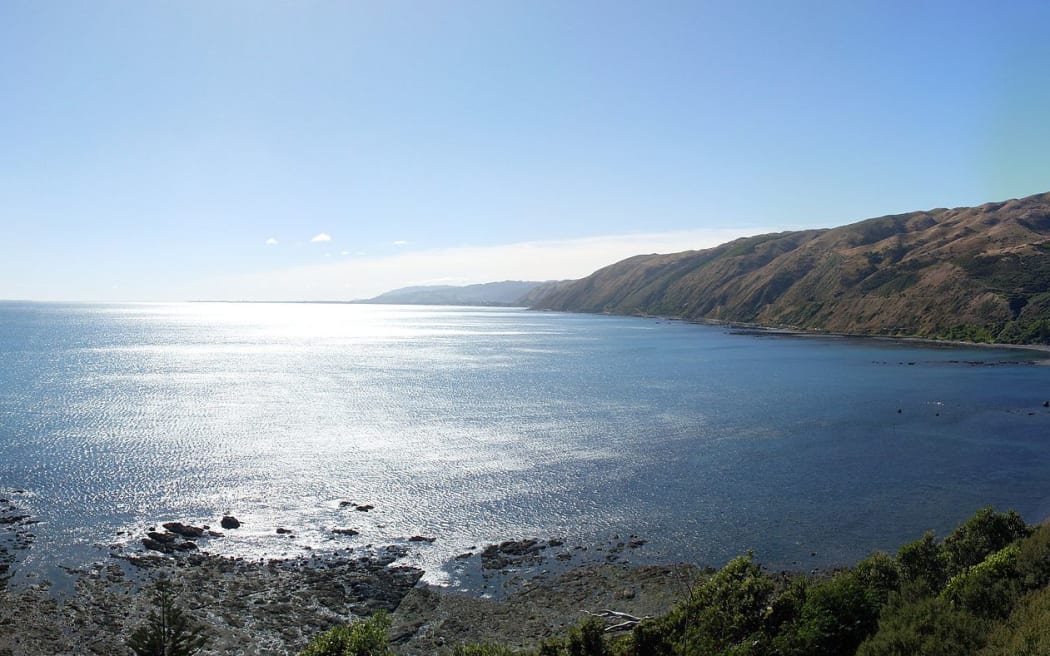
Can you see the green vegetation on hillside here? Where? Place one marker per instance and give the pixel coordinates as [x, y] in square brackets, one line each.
[982, 591]
[1009, 332]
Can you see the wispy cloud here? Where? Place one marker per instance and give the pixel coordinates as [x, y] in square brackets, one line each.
[271, 241]
[322, 236]
[362, 277]
[400, 242]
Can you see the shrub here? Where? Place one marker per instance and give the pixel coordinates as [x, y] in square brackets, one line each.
[879, 574]
[930, 626]
[550, 648]
[728, 609]
[167, 631]
[788, 604]
[838, 614]
[923, 561]
[651, 638]
[1026, 632]
[362, 638]
[984, 533]
[587, 638]
[988, 589]
[1033, 559]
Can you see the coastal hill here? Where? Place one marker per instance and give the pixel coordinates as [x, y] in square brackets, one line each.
[974, 273]
[507, 292]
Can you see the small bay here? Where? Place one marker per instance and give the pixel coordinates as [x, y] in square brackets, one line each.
[475, 425]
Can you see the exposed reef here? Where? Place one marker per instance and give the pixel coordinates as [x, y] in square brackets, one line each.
[276, 606]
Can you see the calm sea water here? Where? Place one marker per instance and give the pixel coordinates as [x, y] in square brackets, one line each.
[478, 425]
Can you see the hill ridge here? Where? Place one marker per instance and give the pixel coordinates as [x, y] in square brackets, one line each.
[501, 293]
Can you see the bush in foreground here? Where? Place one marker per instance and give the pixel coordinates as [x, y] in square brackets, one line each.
[931, 626]
[1026, 632]
[362, 638]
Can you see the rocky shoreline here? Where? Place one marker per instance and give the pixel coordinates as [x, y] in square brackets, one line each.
[430, 620]
[249, 607]
[15, 533]
[522, 591]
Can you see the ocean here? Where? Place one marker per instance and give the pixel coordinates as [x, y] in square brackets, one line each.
[477, 425]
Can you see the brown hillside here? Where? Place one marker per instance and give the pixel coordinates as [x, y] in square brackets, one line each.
[973, 273]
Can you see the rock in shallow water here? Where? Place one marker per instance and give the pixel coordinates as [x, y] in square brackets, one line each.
[157, 545]
[184, 530]
[513, 552]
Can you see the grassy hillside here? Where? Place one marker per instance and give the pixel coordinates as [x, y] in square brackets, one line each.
[980, 273]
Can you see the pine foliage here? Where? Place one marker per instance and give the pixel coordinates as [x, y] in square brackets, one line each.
[168, 631]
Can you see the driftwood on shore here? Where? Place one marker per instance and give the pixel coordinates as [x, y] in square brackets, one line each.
[625, 621]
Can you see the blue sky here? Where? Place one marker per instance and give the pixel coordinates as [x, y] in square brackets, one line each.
[150, 150]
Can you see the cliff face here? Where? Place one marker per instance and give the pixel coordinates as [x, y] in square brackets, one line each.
[941, 272]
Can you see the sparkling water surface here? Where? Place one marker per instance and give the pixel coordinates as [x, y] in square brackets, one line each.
[476, 425]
